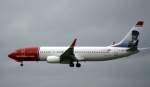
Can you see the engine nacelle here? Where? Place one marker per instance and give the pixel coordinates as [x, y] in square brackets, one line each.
[53, 59]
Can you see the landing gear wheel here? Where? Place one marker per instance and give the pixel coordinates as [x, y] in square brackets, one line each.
[21, 64]
[78, 65]
[71, 64]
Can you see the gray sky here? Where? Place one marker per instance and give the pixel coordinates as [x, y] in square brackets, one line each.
[26, 23]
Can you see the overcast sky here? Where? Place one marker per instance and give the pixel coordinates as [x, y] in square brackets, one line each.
[26, 23]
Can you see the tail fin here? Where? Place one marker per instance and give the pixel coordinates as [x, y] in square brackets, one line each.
[131, 40]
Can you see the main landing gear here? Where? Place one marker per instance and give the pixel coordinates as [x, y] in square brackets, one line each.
[77, 64]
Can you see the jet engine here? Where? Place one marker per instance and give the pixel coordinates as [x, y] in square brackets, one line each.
[53, 59]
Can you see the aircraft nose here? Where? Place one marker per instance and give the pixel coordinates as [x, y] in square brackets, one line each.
[11, 55]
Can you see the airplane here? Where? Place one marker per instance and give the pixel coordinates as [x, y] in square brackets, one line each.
[72, 54]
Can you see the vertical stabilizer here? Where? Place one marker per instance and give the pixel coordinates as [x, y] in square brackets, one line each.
[131, 40]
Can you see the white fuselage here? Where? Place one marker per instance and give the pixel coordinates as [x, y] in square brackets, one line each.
[86, 53]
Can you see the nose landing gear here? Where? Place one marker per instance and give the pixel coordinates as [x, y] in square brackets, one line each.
[21, 64]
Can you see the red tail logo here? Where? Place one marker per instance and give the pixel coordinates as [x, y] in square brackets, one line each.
[139, 24]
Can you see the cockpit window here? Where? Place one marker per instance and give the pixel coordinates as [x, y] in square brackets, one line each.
[18, 51]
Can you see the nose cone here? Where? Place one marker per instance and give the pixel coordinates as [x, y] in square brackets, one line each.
[11, 55]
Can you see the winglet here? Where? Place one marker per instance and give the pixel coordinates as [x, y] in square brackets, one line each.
[73, 43]
[139, 24]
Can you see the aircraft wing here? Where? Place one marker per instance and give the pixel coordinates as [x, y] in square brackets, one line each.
[144, 51]
[68, 56]
[147, 48]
